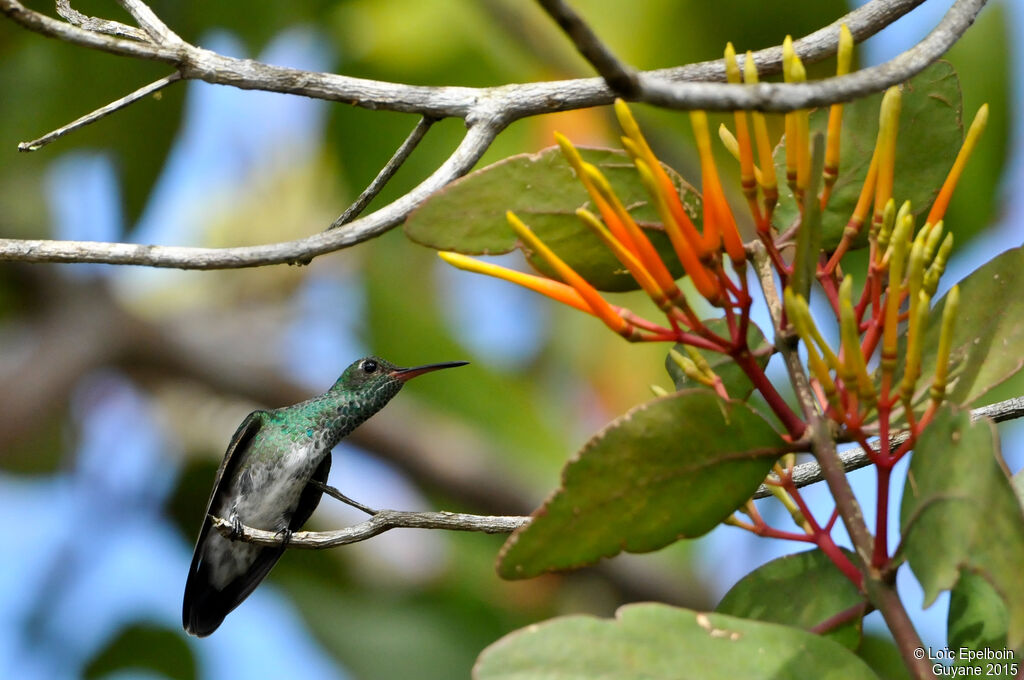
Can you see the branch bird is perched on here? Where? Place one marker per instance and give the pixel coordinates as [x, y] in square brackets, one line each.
[264, 482]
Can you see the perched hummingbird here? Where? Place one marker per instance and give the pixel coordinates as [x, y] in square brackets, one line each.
[264, 483]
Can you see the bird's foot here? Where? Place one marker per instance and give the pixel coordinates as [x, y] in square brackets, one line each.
[286, 536]
[236, 528]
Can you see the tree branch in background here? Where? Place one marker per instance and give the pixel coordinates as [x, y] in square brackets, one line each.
[115, 28]
[386, 173]
[487, 111]
[619, 77]
[101, 112]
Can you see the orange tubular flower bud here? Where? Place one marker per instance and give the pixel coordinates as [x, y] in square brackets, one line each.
[572, 156]
[612, 209]
[598, 305]
[559, 292]
[719, 223]
[732, 145]
[885, 147]
[764, 145]
[746, 152]
[803, 133]
[788, 55]
[630, 261]
[970, 141]
[688, 257]
[641, 151]
[844, 57]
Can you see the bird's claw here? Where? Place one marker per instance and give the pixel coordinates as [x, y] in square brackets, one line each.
[236, 528]
[286, 537]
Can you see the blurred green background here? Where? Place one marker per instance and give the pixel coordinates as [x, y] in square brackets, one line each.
[122, 386]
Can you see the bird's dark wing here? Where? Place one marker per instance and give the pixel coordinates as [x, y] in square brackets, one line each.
[204, 607]
[310, 497]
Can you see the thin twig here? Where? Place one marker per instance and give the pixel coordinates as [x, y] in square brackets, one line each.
[149, 22]
[382, 521]
[106, 26]
[338, 495]
[386, 173]
[124, 101]
[620, 77]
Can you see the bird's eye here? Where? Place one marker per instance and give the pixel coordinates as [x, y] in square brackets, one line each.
[369, 366]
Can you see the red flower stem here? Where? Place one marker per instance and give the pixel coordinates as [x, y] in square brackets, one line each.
[832, 520]
[839, 558]
[881, 555]
[695, 341]
[639, 321]
[871, 338]
[773, 253]
[828, 286]
[790, 420]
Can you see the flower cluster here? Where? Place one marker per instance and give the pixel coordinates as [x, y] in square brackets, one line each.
[905, 262]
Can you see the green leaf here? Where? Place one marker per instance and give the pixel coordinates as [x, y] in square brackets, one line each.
[671, 468]
[808, 238]
[882, 654]
[468, 215]
[145, 647]
[988, 338]
[930, 134]
[736, 382]
[977, 620]
[977, 616]
[960, 513]
[656, 641]
[800, 590]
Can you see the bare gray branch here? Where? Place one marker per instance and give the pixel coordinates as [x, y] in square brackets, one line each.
[386, 173]
[102, 112]
[383, 521]
[487, 111]
[619, 77]
[116, 28]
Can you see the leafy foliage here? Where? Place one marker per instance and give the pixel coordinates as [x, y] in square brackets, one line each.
[657, 641]
[468, 216]
[671, 468]
[932, 109]
[802, 590]
[960, 513]
[988, 339]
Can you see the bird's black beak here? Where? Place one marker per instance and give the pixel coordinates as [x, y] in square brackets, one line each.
[405, 374]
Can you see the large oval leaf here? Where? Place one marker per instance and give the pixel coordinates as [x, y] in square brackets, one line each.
[671, 468]
[960, 512]
[468, 215]
[658, 642]
[988, 339]
[802, 590]
[930, 134]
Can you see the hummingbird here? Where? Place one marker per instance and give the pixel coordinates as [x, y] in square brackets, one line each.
[267, 480]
